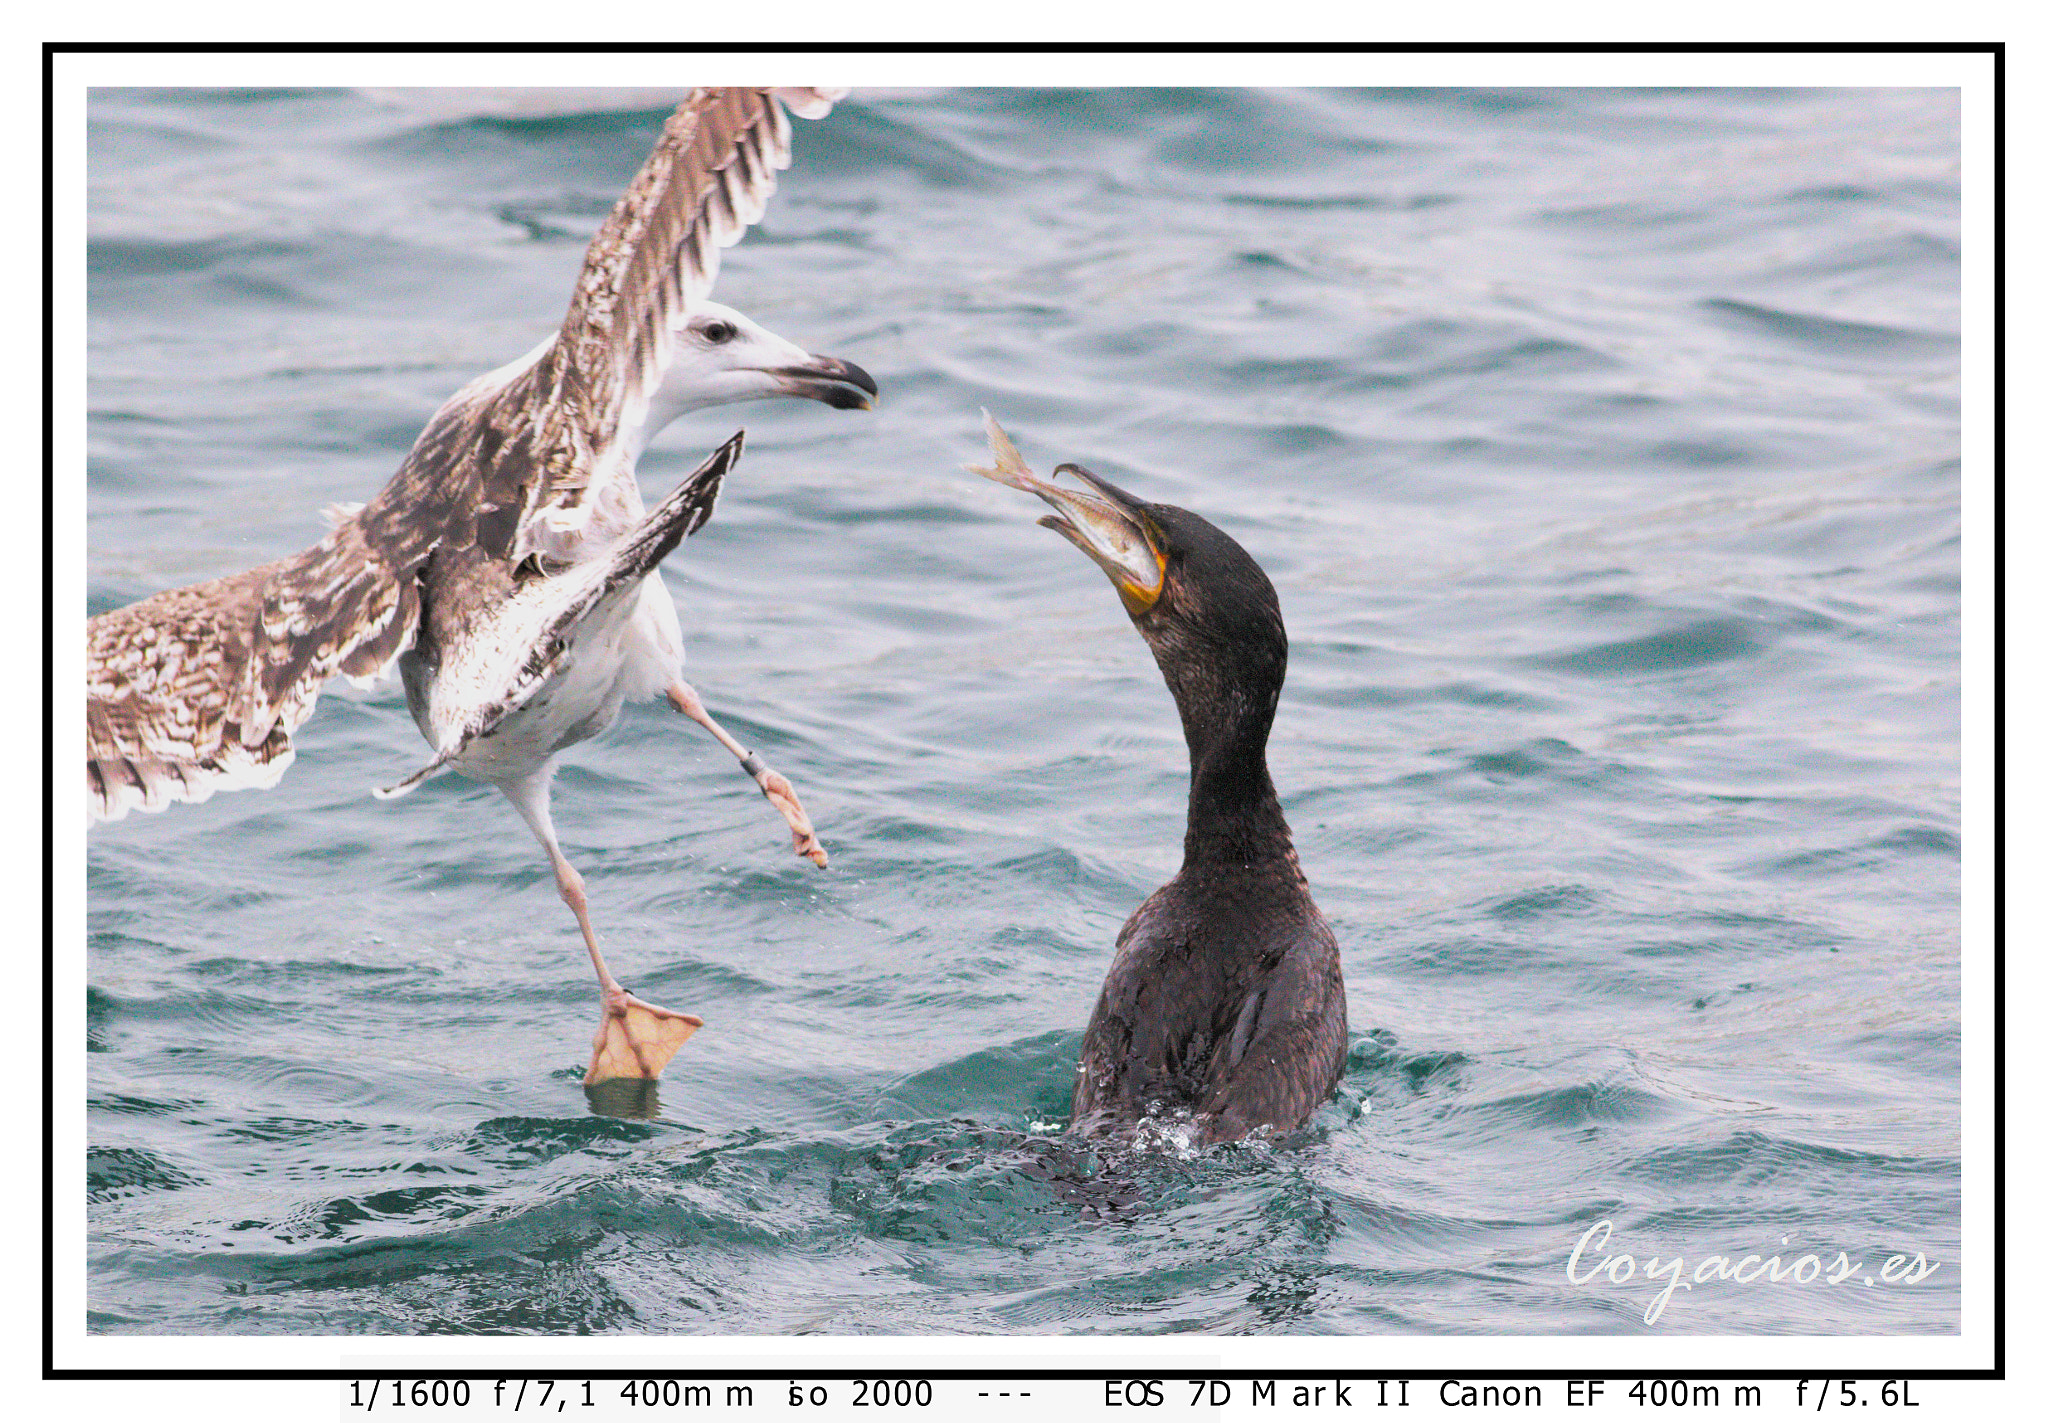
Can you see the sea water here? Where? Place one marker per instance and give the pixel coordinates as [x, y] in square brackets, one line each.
[1603, 447]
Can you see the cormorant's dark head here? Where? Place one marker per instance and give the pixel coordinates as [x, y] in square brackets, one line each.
[1207, 609]
[1205, 606]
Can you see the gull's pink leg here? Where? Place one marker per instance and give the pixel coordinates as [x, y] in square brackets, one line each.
[683, 697]
[634, 1038]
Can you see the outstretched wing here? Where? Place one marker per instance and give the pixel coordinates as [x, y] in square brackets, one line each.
[708, 180]
[199, 689]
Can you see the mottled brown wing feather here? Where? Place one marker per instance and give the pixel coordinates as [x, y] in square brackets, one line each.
[199, 689]
[707, 181]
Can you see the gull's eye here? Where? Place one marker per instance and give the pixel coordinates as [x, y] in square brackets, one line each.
[718, 332]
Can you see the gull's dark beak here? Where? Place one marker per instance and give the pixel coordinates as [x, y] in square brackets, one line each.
[839, 384]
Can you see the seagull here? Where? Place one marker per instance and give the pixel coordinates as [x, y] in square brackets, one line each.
[509, 569]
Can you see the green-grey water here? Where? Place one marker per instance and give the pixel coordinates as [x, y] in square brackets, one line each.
[1603, 446]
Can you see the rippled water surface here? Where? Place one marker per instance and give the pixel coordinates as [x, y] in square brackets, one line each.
[1603, 447]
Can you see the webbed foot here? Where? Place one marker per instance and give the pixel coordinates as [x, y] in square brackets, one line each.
[636, 1039]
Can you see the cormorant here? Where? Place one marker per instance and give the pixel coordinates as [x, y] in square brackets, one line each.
[1226, 998]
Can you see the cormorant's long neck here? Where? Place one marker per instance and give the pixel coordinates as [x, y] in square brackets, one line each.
[1234, 814]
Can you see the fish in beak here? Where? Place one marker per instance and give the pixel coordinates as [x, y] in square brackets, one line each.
[1107, 524]
[839, 384]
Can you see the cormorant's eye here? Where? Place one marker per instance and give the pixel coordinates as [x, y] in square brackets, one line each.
[718, 332]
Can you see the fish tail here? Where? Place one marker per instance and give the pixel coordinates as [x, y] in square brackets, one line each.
[1009, 468]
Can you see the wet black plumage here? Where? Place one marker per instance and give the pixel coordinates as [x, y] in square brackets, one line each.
[1226, 997]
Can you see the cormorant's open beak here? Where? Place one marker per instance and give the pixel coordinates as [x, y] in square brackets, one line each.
[1108, 525]
[840, 384]
[1111, 529]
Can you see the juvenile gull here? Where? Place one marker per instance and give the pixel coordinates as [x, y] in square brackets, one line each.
[509, 567]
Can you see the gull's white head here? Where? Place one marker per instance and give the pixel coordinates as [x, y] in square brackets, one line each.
[720, 355]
